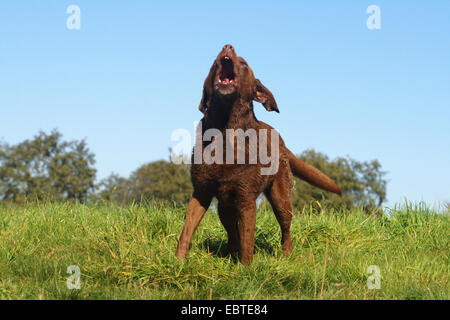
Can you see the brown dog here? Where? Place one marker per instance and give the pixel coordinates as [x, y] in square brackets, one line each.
[227, 103]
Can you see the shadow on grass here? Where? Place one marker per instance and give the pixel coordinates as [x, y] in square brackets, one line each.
[219, 247]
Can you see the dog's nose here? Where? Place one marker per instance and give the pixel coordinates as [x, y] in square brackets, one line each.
[228, 48]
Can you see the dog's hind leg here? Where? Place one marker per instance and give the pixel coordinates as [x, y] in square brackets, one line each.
[279, 196]
[229, 219]
[196, 210]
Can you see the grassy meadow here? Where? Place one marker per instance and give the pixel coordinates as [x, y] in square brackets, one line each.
[128, 253]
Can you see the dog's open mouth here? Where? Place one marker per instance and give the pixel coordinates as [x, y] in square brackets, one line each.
[227, 72]
[226, 78]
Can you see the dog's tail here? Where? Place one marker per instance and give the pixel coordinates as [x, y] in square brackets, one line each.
[314, 176]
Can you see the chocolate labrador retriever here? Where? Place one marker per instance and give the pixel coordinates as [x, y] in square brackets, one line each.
[227, 106]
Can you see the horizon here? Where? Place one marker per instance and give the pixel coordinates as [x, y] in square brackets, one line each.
[133, 74]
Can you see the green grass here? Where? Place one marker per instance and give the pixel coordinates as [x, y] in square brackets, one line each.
[128, 253]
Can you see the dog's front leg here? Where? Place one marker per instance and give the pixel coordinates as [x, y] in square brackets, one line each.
[196, 210]
[247, 223]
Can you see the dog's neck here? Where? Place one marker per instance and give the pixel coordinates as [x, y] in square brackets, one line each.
[230, 114]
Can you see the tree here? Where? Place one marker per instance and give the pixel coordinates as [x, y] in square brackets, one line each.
[46, 168]
[362, 183]
[114, 188]
[160, 180]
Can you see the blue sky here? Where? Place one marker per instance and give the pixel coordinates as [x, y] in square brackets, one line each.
[134, 72]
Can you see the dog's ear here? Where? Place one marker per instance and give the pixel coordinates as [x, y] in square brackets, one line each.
[264, 96]
[204, 104]
[207, 90]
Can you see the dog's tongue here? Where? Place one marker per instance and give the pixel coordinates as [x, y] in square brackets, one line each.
[226, 81]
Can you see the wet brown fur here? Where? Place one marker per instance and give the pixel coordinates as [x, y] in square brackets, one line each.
[237, 186]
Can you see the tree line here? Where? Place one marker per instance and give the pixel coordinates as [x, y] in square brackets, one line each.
[48, 168]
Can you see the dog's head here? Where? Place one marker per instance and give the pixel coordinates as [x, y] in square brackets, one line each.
[230, 78]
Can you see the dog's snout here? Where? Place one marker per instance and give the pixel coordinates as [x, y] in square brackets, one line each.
[227, 51]
[228, 48]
